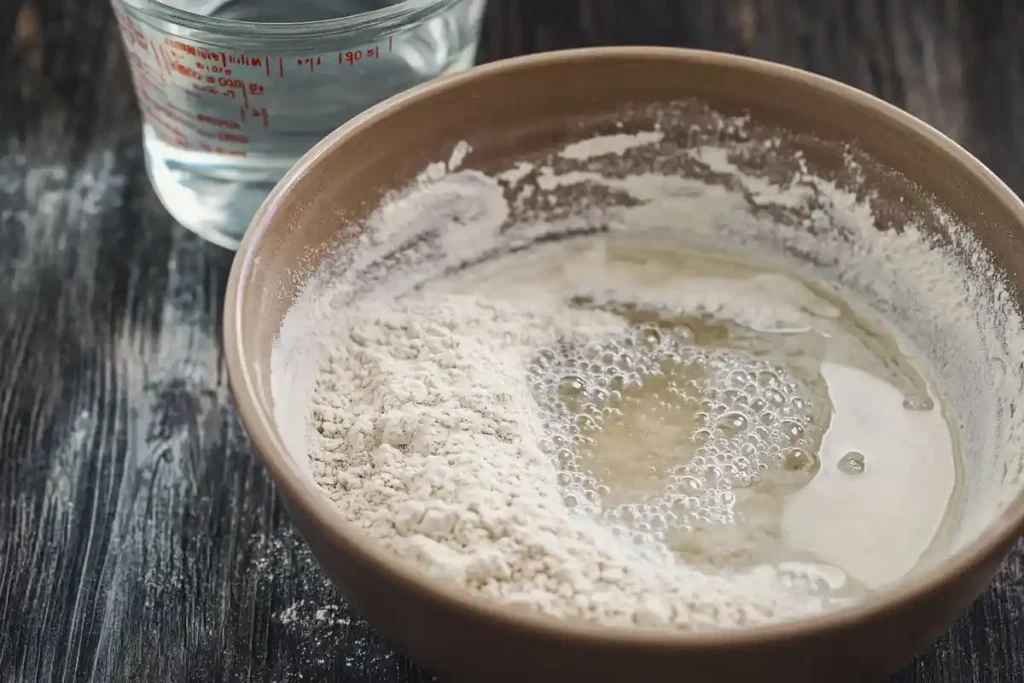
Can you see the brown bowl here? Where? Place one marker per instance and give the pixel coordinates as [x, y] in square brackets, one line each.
[538, 102]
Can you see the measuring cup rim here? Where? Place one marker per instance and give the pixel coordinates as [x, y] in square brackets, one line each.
[401, 13]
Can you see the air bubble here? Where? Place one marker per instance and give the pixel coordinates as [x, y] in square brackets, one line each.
[918, 403]
[572, 384]
[583, 390]
[852, 463]
[650, 336]
[791, 429]
[732, 424]
[738, 378]
[690, 484]
[798, 460]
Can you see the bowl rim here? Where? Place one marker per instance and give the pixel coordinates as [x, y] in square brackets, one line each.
[304, 492]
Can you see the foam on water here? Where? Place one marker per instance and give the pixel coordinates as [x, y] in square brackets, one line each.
[707, 420]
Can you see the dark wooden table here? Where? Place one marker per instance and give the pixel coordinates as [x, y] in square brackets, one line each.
[139, 540]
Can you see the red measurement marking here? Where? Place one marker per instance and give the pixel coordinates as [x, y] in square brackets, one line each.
[208, 73]
[188, 72]
[183, 112]
[167, 57]
[143, 78]
[158, 113]
[312, 62]
[164, 111]
[217, 61]
[157, 58]
[212, 68]
[223, 123]
[135, 38]
[180, 46]
[261, 113]
[242, 59]
[233, 137]
[141, 69]
[223, 150]
[177, 136]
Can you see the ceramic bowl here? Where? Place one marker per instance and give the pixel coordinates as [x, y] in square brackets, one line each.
[508, 109]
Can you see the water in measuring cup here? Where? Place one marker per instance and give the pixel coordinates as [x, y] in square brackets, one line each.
[224, 119]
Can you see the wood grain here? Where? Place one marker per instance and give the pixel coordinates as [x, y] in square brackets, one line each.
[139, 540]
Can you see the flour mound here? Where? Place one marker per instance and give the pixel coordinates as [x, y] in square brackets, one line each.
[429, 443]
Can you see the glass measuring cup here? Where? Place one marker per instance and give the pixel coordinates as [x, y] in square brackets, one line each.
[233, 92]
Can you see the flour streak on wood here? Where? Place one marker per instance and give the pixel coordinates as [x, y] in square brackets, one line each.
[139, 540]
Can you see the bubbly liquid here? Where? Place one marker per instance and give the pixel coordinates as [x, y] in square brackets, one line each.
[821, 449]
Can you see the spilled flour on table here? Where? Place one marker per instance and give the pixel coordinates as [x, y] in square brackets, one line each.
[415, 406]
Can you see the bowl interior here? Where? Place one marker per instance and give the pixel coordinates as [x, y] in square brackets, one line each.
[907, 173]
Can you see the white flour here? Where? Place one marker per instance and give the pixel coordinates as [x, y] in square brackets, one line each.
[422, 431]
[431, 446]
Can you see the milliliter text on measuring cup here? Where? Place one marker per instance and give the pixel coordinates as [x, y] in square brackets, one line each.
[221, 94]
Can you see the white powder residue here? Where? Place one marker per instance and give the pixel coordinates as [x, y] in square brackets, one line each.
[422, 432]
[459, 154]
[610, 144]
[514, 175]
[431, 445]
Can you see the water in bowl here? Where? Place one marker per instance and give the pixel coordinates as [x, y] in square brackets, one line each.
[777, 422]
